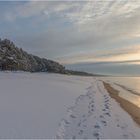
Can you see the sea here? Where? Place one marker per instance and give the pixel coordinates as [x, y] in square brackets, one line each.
[125, 78]
[112, 69]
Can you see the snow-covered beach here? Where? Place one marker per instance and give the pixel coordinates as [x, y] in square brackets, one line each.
[40, 105]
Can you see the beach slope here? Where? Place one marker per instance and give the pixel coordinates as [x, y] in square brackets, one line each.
[40, 105]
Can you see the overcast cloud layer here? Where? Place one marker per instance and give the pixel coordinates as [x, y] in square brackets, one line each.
[74, 31]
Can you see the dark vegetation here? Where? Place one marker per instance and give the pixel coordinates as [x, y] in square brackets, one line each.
[15, 59]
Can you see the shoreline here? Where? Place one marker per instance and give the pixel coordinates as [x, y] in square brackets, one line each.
[130, 90]
[130, 108]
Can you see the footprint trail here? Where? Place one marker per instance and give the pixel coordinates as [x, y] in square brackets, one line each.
[96, 115]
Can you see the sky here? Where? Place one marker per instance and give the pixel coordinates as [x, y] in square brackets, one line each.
[97, 31]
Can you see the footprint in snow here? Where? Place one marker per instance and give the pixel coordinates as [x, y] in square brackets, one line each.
[81, 132]
[73, 137]
[108, 114]
[106, 107]
[79, 124]
[125, 136]
[72, 116]
[91, 107]
[97, 126]
[124, 126]
[65, 122]
[96, 134]
[104, 122]
[81, 97]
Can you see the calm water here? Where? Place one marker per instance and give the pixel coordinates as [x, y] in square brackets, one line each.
[107, 68]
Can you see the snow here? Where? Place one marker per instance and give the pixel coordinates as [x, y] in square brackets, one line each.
[10, 57]
[32, 105]
[41, 105]
[96, 116]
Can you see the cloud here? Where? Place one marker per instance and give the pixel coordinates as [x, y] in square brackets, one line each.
[75, 31]
[37, 9]
[117, 55]
[25, 10]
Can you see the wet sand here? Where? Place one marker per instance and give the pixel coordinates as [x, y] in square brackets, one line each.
[132, 109]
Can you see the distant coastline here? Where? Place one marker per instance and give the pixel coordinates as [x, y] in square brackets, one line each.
[109, 69]
[13, 58]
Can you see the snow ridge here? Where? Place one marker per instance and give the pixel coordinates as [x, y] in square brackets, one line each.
[96, 115]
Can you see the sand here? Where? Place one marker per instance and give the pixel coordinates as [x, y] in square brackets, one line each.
[132, 109]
